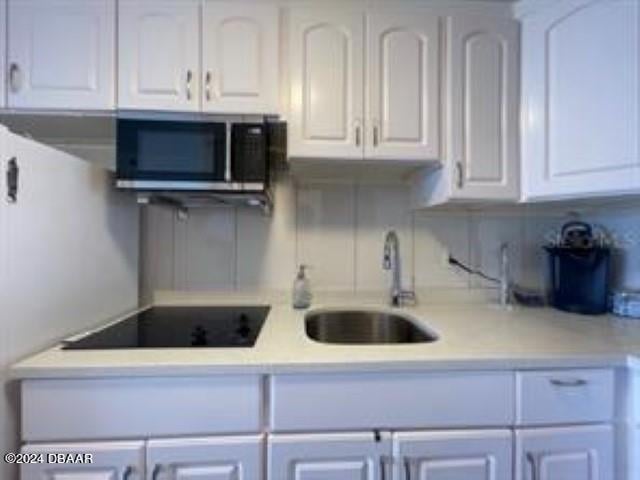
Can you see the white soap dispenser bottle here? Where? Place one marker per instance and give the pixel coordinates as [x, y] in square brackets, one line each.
[301, 289]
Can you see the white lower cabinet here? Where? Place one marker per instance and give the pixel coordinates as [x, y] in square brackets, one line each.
[581, 452]
[437, 455]
[107, 461]
[339, 456]
[212, 458]
[454, 455]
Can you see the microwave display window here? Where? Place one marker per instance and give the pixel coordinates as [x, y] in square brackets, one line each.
[166, 152]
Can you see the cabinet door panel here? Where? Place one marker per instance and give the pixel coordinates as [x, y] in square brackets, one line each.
[61, 54]
[565, 453]
[211, 458]
[403, 109]
[159, 54]
[455, 455]
[109, 461]
[346, 456]
[240, 57]
[483, 66]
[581, 77]
[326, 84]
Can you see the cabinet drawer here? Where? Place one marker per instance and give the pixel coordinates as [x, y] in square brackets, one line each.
[402, 400]
[139, 407]
[564, 396]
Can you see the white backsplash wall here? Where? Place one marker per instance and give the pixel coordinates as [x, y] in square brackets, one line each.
[622, 222]
[338, 230]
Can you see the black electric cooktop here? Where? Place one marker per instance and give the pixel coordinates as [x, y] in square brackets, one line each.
[179, 327]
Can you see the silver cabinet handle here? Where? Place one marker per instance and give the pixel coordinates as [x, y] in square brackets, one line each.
[358, 135]
[128, 472]
[534, 465]
[568, 382]
[460, 175]
[375, 135]
[207, 86]
[155, 475]
[189, 78]
[385, 461]
[408, 463]
[13, 176]
[14, 77]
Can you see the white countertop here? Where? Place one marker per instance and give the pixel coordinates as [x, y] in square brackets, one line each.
[473, 336]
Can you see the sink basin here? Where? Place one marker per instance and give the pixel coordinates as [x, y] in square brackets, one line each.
[364, 327]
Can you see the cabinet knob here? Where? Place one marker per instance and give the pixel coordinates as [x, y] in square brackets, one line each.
[13, 173]
[460, 175]
[155, 474]
[15, 80]
[207, 86]
[189, 78]
[385, 462]
[128, 473]
[534, 466]
[408, 467]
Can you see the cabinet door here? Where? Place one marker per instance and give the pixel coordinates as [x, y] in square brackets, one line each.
[99, 461]
[483, 79]
[454, 455]
[345, 456]
[159, 55]
[584, 453]
[240, 60]
[580, 99]
[213, 458]
[403, 86]
[61, 54]
[326, 75]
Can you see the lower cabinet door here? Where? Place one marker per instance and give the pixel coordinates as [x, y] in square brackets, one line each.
[340, 456]
[584, 453]
[210, 458]
[84, 461]
[453, 455]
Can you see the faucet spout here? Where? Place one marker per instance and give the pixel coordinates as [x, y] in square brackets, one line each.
[391, 261]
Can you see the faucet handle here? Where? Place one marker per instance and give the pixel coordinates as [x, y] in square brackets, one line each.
[407, 296]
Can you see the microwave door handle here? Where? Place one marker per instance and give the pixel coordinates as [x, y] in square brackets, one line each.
[227, 169]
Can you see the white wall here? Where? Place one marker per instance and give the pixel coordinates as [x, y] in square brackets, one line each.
[70, 258]
[338, 229]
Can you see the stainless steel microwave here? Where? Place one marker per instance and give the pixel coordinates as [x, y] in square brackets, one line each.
[195, 156]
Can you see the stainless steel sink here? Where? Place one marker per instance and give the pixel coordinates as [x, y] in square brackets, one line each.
[364, 327]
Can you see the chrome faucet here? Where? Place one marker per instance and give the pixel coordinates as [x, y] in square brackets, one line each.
[391, 261]
[505, 281]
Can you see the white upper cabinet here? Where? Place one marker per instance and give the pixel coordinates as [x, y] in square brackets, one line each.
[482, 85]
[109, 461]
[483, 72]
[159, 55]
[213, 458]
[455, 455]
[584, 453]
[326, 81]
[403, 86]
[580, 99]
[240, 60]
[340, 456]
[61, 54]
